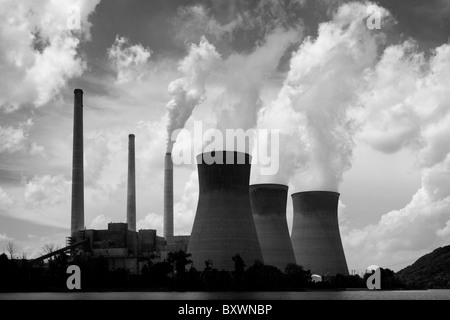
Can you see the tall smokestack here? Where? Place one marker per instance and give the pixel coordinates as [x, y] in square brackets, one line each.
[77, 218]
[131, 194]
[168, 196]
[315, 233]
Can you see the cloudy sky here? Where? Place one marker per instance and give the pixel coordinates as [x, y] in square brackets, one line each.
[362, 112]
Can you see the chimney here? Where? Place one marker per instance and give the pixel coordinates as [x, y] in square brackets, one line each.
[168, 196]
[77, 213]
[315, 233]
[131, 193]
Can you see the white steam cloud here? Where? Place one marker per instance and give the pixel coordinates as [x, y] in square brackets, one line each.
[246, 76]
[313, 107]
[189, 91]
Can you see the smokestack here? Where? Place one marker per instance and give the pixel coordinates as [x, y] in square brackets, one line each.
[131, 193]
[315, 233]
[168, 196]
[223, 225]
[77, 213]
[269, 212]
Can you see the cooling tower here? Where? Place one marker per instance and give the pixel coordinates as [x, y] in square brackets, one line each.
[131, 192]
[77, 211]
[223, 225]
[168, 196]
[315, 233]
[268, 203]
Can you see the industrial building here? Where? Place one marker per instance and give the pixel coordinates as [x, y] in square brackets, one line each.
[223, 225]
[315, 233]
[268, 203]
[120, 245]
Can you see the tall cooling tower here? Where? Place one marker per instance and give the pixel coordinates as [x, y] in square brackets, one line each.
[268, 203]
[168, 196]
[77, 210]
[224, 225]
[315, 233]
[131, 186]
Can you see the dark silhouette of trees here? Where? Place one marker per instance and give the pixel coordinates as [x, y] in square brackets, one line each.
[261, 277]
[297, 277]
[179, 260]
[238, 273]
[175, 273]
[431, 271]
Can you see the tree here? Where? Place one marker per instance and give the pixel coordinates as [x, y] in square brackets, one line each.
[179, 260]
[239, 269]
[48, 248]
[11, 249]
[297, 277]
[263, 277]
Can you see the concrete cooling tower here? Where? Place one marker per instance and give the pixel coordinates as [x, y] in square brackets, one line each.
[315, 233]
[223, 225]
[268, 203]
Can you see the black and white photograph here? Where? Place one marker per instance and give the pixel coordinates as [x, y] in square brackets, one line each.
[224, 150]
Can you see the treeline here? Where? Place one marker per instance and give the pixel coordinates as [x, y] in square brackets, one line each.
[431, 271]
[174, 274]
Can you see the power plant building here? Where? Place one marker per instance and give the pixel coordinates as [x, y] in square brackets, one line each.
[268, 203]
[223, 225]
[315, 233]
[120, 245]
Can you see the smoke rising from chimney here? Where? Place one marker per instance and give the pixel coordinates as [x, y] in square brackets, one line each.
[189, 91]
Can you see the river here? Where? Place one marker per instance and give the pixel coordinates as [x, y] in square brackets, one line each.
[315, 295]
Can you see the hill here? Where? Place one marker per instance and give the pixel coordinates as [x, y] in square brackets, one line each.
[431, 271]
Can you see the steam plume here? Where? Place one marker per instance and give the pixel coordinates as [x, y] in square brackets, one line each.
[189, 91]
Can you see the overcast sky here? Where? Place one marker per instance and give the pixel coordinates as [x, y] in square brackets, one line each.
[362, 112]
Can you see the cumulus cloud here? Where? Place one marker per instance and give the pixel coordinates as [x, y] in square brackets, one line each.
[194, 21]
[47, 190]
[128, 60]
[407, 105]
[229, 24]
[444, 232]
[39, 51]
[151, 221]
[185, 207]
[4, 237]
[99, 222]
[15, 139]
[5, 200]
